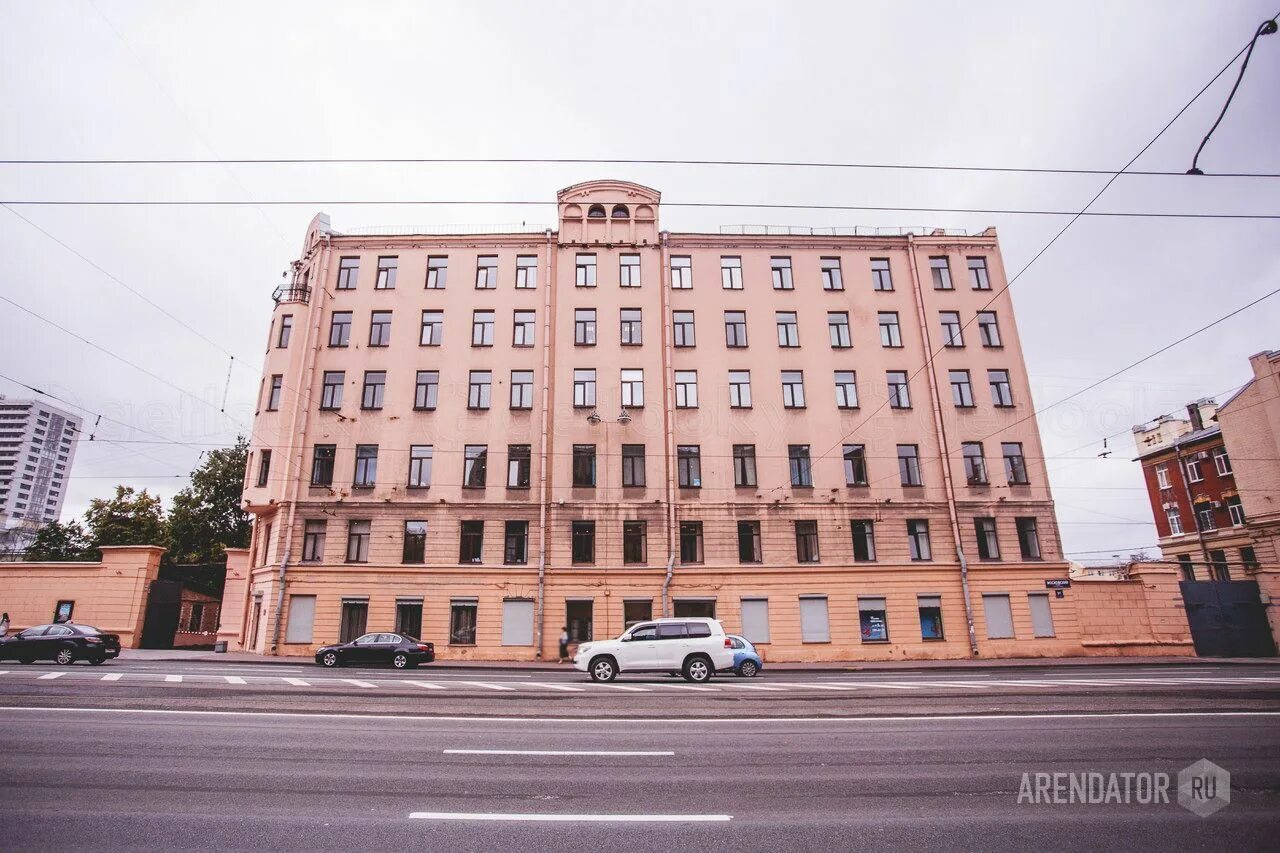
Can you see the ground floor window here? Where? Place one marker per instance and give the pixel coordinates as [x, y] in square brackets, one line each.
[462, 623]
[636, 610]
[578, 619]
[999, 616]
[1218, 565]
[409, 617]
[517, 622]
[355, 616]
[1187, 567]
[195, 619]
[814, 626]
[873, 620]
[930, 616]
[302, 617]
[62, 613]
[696, 608]
[755, 619]
[1041, 615]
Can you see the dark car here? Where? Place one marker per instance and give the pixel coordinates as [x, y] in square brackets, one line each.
[399, 650]
[62, 644]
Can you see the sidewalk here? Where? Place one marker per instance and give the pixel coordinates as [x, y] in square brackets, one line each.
[180, 655]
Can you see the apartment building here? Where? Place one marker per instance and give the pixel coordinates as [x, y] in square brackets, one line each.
[37, 447]
[482, 439]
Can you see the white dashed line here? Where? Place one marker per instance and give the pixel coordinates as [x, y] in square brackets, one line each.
[426, 685]
[355, 682]
[298, 682]
[564, 687]
[611, 752]
[114, 676]
[625, 687]
[173, 679]
[234, 679]
[487, 686]
[49, 675]
[574, 818]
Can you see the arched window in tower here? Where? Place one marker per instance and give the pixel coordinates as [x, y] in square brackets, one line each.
[596, 211]
[620, 212]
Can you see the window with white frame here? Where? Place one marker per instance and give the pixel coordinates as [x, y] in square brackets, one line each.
[437, 272]
[686, 389]
[740, 389]
[731, 272]
[846, 389]
[831, 277]
[683, 328]
[735, 329]
[631, 327]
[838, 325]
[781, 269]
[793, 389]
[788, 329]
[681, 272]
[952, 330]
[526, 272]
[1162, 476]
[629, 270]
[584, 387]
[890, 331]
[585, 270]
[1222, 462]
[633, 388]
[524, 324]
[584, 327]
[522, 389]
[487, 272]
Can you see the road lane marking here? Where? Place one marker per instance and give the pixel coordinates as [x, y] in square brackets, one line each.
[753, 686]
[49, 675]
[298, 682]
[574, 818]
[623, 687]
[686, 687]
[611, 752]
[427, 685]
[565, 687]
[487, 685]
[114, 676]
[815, 685]
[173, 679]
[874, 685]
[355, 682]
[234, 679]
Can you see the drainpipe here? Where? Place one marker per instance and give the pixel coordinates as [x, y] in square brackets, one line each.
[1195, 517]
[545, 497]
[943, 443]
[668, 421]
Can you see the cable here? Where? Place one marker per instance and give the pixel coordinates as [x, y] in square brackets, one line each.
[1267, 28]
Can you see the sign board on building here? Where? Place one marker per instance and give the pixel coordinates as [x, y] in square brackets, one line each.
[1057, 583]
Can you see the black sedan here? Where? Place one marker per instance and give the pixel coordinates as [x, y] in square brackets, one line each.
[63, 644]
[399, 650]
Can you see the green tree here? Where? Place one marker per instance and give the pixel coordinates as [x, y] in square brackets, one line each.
[130, 518]
[60, 543]
[206, 516]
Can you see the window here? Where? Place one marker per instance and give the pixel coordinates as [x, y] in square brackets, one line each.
[386, 274]
[286, 331]
[355, 615]
[735, 328]
[584, 388]
[807, 542]
[781, 268]
[586, 271]
[838, 326]
[930, 607]
[1028, 538]
[988, 329]
[632, 327]
[1205, 519]
[348, 270]
[584, 466]
[522, 389]
[634, 543]
[864, 540]
[831, 278]
[1162, 476]
[1221, 462]
[952, 332]
[633, 465]
[273, 396]
[1015, 466]
[1218, 565]
[691, 541]
[264, 468]
[313, 531]
[1175, 521]
[941, 271]
[1188, 570]
[731, 273]
[909, 464]
[596, 211]
[515, 543]
[462, 623]
[739, 389]
[479, 389]
[620, 212]
[526, 272]
[890, 331]
[486, 272]
[409, 617]
[978, 274]
[426, 389]
[1001, 390]
[1193, 471]
[475, 466]
[961, 389]
[629, 270]
[918, 539]
[1235, 510]
[801, 465]
[686, 389]
[681, 272]
[744, 465]
[988, 542]
[584, 327]
[975, 463]
[340, 329]
[682, 328]
[432, 329]
[880, 277]
[632, 388]
[855, 465]
[873, 623]
[788, 329]
[846, 389]
[814, 624]
[899, 393]
[471, 542]
[366, 473]
[523, 328]
[322, 456]
[482, 328]
[689, 465]
[375, 384]
[749, 542]
[1249, 557]
[380, 329]
[584, 542]
[415, 542]
[437, 272]
[358, 541]
[1041, 614]
[519, 466]
[420, 456]
[793, 389]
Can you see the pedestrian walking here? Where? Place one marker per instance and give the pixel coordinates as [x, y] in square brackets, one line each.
[564, 644]
[4, 625]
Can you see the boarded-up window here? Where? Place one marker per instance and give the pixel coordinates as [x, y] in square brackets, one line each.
[302, 618]
[755, 619]
[517, 622]
[1041, 616]
[999, 616]
[814, 627]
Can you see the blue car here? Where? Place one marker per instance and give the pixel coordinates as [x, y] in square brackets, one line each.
[746, 660]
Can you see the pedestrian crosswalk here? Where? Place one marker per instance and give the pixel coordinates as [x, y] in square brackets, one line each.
[778, 686]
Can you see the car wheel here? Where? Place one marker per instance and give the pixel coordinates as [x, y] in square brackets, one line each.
[604, 669]
[400, 661]
[65, 656]
[748, 669]
[329, 659]
[697, 669]
[97, 661]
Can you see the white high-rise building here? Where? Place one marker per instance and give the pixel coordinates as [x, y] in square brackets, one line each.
[37, 447]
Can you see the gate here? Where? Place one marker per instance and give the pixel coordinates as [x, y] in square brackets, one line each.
[164, 604]
[1227, 619]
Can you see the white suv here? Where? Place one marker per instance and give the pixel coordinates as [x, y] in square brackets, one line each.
[696, 648]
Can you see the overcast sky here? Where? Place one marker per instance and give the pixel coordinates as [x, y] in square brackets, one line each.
[1077, 85]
